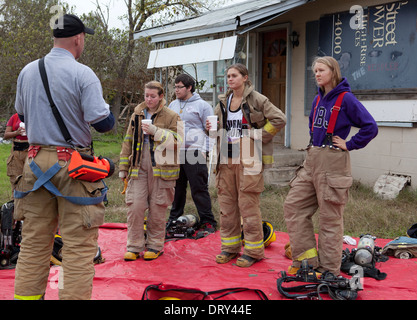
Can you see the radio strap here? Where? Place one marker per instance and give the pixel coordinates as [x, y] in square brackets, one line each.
[55, 110]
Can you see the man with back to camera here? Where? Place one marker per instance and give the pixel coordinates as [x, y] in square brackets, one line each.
[193, 111]
[77, 93]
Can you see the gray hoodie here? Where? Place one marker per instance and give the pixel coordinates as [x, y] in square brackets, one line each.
[194, 114]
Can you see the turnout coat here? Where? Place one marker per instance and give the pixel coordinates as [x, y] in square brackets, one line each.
[163, 145]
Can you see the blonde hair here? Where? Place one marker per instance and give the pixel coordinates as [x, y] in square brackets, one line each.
[155, 85]
[334, 67]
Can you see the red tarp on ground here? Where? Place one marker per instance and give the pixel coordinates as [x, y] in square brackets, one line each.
[191, 263]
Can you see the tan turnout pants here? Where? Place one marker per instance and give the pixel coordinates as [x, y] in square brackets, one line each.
[147, 192]
[239, 197]
[322, 182]
[43, 213]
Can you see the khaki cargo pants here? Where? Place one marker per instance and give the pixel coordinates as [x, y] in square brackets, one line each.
[239, 200]
[43, 213]
[15, 163]
[322, 183]
[147, 192]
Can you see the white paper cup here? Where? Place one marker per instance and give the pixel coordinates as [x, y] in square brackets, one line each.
[22, 125]
[146, 121]
[213, 122]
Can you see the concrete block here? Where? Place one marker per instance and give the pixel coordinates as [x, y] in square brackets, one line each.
[388, 186]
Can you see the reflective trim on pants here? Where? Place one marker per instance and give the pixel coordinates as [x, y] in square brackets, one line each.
[239, 200]
[152, 193]
[37, 297]
[323, 183]
[254, 245]
[232, 241]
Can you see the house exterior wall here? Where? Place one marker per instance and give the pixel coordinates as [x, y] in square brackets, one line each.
[393, 151]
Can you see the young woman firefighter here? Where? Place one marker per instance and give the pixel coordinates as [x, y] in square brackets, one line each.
[247, 123]
[148, 162]
[324, 179]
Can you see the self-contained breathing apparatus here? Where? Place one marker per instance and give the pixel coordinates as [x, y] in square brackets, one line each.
[183, 227]
[365, 252]
[338, 288]
[187, 225]
[364, 258]
[10, 236]
[359, 263]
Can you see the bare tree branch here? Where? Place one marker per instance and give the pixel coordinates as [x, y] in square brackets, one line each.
[104, 20]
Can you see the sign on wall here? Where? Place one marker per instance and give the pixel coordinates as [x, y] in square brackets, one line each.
[376, 47]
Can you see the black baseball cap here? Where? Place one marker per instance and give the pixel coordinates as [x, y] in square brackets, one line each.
[72, 26]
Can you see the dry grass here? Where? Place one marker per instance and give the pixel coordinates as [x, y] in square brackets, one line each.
[364, 213]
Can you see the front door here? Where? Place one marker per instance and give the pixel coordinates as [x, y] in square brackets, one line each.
[274, 72]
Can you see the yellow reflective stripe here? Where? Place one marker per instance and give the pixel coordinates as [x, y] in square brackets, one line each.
[165, 171]
[267, 159]
[128, 137]
[138, 146]
[134, 172]
[157, 172]
[176, 136]
[37, 297]
[164, 136]
[268, 127]
[124, 160]
[254, 245]
[231, 241]
[311, 253]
